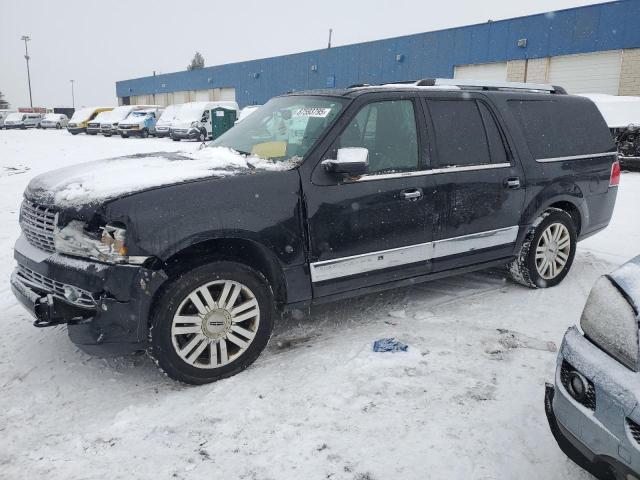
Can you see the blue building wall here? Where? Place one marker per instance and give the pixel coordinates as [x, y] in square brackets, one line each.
[608, 26]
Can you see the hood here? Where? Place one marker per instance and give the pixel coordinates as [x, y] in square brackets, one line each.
[182, 123]
[95, 182]
[133, 120]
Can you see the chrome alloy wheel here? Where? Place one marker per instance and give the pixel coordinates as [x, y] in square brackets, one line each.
[552, 251]
[215, 324]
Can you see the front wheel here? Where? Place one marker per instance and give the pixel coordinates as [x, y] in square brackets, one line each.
[547, 252]
[144, 133]
[211, 322]
[175, 139]
[58, 126]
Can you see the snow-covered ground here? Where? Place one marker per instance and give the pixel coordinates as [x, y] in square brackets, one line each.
[465, 402]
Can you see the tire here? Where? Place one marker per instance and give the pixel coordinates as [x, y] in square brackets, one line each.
[124, 135]
[106, 135]
[175, 139]
[539, 263]
[58, 126]
[144, 133]
[193, 364]
[73, 133]
[202, 137]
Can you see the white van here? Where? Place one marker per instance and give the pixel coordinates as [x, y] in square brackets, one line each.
[193, 120]
[23, 120]
[55, 120]
[163, 125]
[110, 126]
[4, 113]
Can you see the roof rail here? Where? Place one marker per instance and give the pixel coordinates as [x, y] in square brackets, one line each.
[490, 85]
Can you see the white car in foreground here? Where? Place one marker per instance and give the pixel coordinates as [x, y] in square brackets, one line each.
[55, 120]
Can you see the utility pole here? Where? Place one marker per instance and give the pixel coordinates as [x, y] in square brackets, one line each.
[26, 38]
[330, 32]
[73, 98]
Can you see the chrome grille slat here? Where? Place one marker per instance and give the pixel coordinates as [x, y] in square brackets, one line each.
[38, 224]
[35, 280]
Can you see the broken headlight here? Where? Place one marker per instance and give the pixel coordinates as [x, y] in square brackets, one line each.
[109, 246]
[610, 322]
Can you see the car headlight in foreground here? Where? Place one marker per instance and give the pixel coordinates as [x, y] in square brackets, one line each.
[108, 247]
[609, 321]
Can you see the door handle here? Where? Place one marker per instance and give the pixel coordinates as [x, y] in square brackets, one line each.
[411, 194]
[512, 182]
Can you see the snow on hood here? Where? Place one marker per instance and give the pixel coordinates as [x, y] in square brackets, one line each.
[101, 180]
[618, 112]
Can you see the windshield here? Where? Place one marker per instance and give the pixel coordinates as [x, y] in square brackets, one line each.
[52, 117]
[15, 116]
[284, 128]
[139, 114]
[190, 112]
[82, 114]
[169, 113]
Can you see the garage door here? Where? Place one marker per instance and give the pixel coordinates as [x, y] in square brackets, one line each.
[180, 97]
[587, 73]
[484, 71]
[228, 94]
[202, 95]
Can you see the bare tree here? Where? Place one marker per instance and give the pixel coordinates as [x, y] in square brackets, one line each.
[3, 102]
[197, 62]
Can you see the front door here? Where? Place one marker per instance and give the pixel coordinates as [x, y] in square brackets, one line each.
[479, 192]
[373, 229]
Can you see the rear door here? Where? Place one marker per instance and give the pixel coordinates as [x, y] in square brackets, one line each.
[372, 229]
[479, 185]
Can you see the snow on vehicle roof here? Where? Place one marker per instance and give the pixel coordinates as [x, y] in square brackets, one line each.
[618, 111]
[52, 116]
[83, 114]
[107, 179]
[15, 116]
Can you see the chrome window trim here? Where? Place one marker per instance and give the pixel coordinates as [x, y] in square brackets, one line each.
[576, 157]
[433, 171]
[367, 262]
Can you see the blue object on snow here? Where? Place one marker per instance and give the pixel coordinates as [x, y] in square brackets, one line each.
[389, 345]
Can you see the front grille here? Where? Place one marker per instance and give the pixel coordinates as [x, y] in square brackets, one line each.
[180, 130]
[38, 223]
[48, 286]
[94, 125]
[590, 397]
[634, 428]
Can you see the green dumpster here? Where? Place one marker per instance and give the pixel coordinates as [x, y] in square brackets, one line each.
[222, 119]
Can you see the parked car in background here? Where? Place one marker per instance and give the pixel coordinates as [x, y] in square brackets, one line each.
[55, 120]
[193, 120]
[593, 408]
[110, 127]
[23, 120]
[246, 111]
[314, 197]
[622, 114]
[163, 125]
[81, 118]
[4, 113]
[140, 123]
[94, 126]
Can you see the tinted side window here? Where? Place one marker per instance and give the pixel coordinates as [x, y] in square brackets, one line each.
[494, 137]
[562, 128]
[388, 130]
[459, 133]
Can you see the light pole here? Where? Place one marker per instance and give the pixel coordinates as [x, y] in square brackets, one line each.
[73, 99]
[26, 38]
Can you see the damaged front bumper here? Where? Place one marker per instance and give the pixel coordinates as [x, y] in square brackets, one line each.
[106, 307]
[191, 133]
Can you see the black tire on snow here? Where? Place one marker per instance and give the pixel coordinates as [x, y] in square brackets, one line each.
[161, 348]
[523, 268]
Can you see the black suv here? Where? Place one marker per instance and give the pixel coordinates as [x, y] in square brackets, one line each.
[316, 196]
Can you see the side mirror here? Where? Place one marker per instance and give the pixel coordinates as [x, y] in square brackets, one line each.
[352, 161]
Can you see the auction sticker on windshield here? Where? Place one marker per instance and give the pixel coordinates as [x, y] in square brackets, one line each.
[312, 112]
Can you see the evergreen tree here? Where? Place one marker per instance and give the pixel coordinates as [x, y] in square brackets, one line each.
[197, 62]
[3, 102]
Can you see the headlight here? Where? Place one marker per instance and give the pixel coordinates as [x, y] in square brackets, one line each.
[109, 247]
[194, 124]
[610, 322]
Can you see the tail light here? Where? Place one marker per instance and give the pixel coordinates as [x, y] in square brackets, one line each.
[614, 181]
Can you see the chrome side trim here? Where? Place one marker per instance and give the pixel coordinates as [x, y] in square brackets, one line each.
[576, 157]
[433, 171]
[367, 262]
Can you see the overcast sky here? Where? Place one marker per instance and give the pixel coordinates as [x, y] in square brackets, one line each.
[96, 43]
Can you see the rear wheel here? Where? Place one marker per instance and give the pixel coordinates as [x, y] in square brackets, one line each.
[175, 139]
[58, 126]
[211, 322]
[547, 252]
[144, 133]
[202, 136]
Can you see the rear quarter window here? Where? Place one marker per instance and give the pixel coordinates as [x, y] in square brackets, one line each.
[562, 128]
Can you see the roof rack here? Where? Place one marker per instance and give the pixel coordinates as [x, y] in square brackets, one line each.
[490, 85]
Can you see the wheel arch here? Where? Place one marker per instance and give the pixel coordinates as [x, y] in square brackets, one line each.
[242, 250]
[572, 204]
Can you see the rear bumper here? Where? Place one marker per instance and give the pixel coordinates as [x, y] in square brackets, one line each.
[597, 439]
[116, 324]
